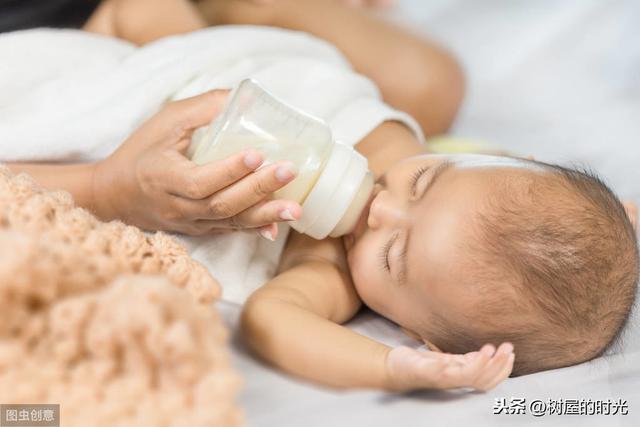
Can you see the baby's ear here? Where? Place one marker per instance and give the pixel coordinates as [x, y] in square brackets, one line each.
[632, 213]
[431, 346]
[410, 333]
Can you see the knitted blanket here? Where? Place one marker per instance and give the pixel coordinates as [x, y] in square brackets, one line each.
[114, 326]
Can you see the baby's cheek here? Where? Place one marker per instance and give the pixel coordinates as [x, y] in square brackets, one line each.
[364, 273]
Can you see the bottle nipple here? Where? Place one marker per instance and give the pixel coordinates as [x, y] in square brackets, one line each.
[351, 216]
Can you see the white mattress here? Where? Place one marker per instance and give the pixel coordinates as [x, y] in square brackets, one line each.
[561, 81]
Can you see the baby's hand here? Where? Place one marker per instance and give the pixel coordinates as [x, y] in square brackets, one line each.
[409, 369]
[632, 212]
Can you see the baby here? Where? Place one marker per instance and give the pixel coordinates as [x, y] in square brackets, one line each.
[460, 251]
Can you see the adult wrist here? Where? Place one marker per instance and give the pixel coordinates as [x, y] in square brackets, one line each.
[101, 203]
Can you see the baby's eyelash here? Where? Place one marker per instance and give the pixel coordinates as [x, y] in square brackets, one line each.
[415, 177]
[383, 255]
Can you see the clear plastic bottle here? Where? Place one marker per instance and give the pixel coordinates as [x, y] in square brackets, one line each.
[333, 182]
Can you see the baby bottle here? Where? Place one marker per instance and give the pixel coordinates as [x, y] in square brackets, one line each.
[333, 182]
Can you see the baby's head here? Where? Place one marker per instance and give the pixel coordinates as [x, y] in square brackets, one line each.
[467, 250]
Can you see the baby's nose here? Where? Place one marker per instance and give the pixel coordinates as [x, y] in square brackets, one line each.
[386, 212]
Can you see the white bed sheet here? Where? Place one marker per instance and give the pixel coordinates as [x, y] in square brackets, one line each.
[561, 81]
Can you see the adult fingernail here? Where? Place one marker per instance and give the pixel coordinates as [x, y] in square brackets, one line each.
[267, 234]
[284, 173]
[286, 215]
[252, 160]
[508, 348]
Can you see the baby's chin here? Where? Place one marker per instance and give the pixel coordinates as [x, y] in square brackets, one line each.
[351, 239]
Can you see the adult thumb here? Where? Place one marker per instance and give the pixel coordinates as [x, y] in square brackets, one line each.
[198, 110]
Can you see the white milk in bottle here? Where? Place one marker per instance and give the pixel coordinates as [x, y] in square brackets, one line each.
[333, 182]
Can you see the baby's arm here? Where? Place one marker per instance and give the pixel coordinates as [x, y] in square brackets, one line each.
[293, 322]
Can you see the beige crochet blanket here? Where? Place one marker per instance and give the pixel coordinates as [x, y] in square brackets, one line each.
[114, 326]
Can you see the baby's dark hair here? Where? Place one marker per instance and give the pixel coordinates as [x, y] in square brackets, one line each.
[565, 246]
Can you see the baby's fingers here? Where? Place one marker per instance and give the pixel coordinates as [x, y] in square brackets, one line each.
[504, 374]
[466, 374]
[632, 212]
[495, 370]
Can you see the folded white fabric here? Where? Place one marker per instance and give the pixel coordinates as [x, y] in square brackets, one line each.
[69, 95]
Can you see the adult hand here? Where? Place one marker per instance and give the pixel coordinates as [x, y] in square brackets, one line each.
[409, 369]
[149, 182]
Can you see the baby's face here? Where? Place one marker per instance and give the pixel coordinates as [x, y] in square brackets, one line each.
[407, 253]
